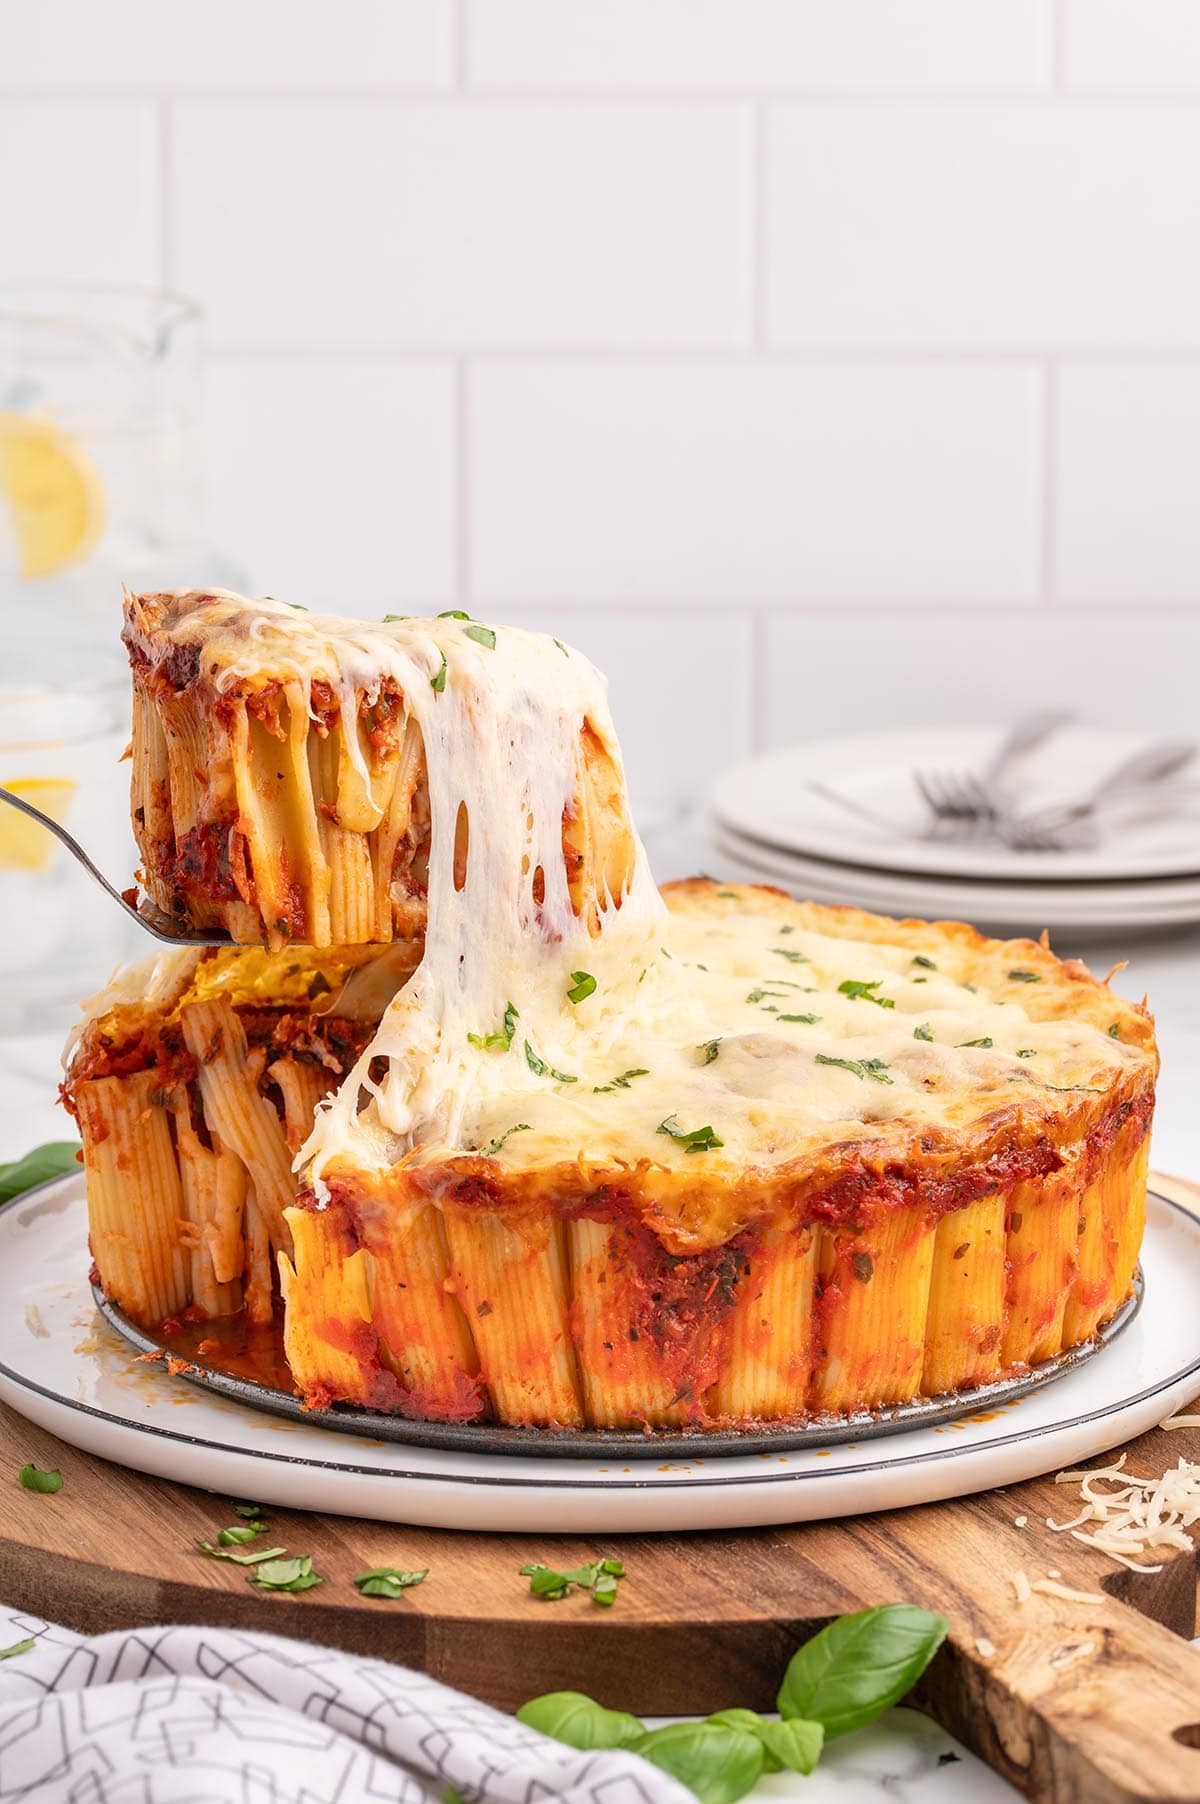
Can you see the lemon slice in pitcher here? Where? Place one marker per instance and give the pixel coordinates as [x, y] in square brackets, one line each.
[25, 845]
[53, 492]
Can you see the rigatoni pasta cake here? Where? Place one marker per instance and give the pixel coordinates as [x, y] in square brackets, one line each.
[570, 1151]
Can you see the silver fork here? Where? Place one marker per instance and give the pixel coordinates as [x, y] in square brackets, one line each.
[1070, 825]
[170, 932]
[961, 800]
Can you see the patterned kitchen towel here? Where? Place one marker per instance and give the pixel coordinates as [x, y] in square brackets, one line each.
[213, 1716]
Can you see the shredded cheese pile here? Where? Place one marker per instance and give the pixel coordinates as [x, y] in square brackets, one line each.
[1133, 1515]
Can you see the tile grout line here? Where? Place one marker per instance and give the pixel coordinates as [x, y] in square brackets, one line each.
[1049, 473]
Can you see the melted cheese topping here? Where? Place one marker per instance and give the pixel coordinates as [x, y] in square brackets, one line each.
[733, 1031]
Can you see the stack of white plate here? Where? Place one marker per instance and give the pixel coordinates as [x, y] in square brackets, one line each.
[770, 824]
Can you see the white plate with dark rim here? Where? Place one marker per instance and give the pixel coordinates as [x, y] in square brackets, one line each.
[1015, 908]
[770, 800]
[63, 1367]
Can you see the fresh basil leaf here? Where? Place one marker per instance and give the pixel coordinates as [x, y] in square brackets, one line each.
[45, 1482]
[859, 1666]
[694, 1140]
[387, 1581]
[438, 683]
[864, 992]
[718, 1763]
[620, 1083]
[583, 985]
[493, 1146]
[482, 635]
[924, 1032]
[864, 1068]
[253, 1510]
[241, 1537]
[503, 1038]
[580, 1721]
[453, 614]
[286, 1575]
[795, 1745]
[540, 1068]
[53, 1160]
[452, 1795]
[240, 1559]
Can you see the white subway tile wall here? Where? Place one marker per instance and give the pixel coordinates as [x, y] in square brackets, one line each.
[807, 362]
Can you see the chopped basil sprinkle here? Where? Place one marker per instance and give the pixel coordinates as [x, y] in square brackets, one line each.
[985, 1042]
[438, 683]
[240, 1559]
[926, 964]
[482, 635]
[562, 648]
[387, 1581]
[694, 1140]
[787, 930]
[727, 895]
[599, 1577]
[286, 1575]
[805, 1020]
[388, 617]
[709, 1049]
[873, 1068]
[864, 992]
[45, 1482]
[453, 614]
[504, 1038]
[793, 958]
[1114, 1032]
[540, 1068]
[1025, 977]
[493, 1146]
[1027, 1052]
[923, 1032]
[620, 1083]
[582, 985]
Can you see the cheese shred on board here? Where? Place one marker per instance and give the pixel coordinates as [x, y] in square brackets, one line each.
[1128, 1517]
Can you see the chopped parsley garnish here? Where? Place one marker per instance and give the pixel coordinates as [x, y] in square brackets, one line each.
[583, 985]
[286, 1575]
[805, 1020]
[873, 1068]
[865, 992]
[438, 683]
[695, 1140]
[710, 1049]
[482, 635]
[387, 1581]
[493, 1146]
[599, 1577]
[926, 964]
[1114, 1032]
[504, 1038]
[540, 1068]
[985, 1042]
[620, 1083]
[18, 1647]
[1027, 1052]
[923, 1032]
[1025, 977]
[793, 958]
[45, 1482]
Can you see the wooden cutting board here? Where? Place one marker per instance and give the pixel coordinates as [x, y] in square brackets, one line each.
[1095, 1701]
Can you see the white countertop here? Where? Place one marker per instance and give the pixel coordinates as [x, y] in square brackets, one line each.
[904, 1756]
